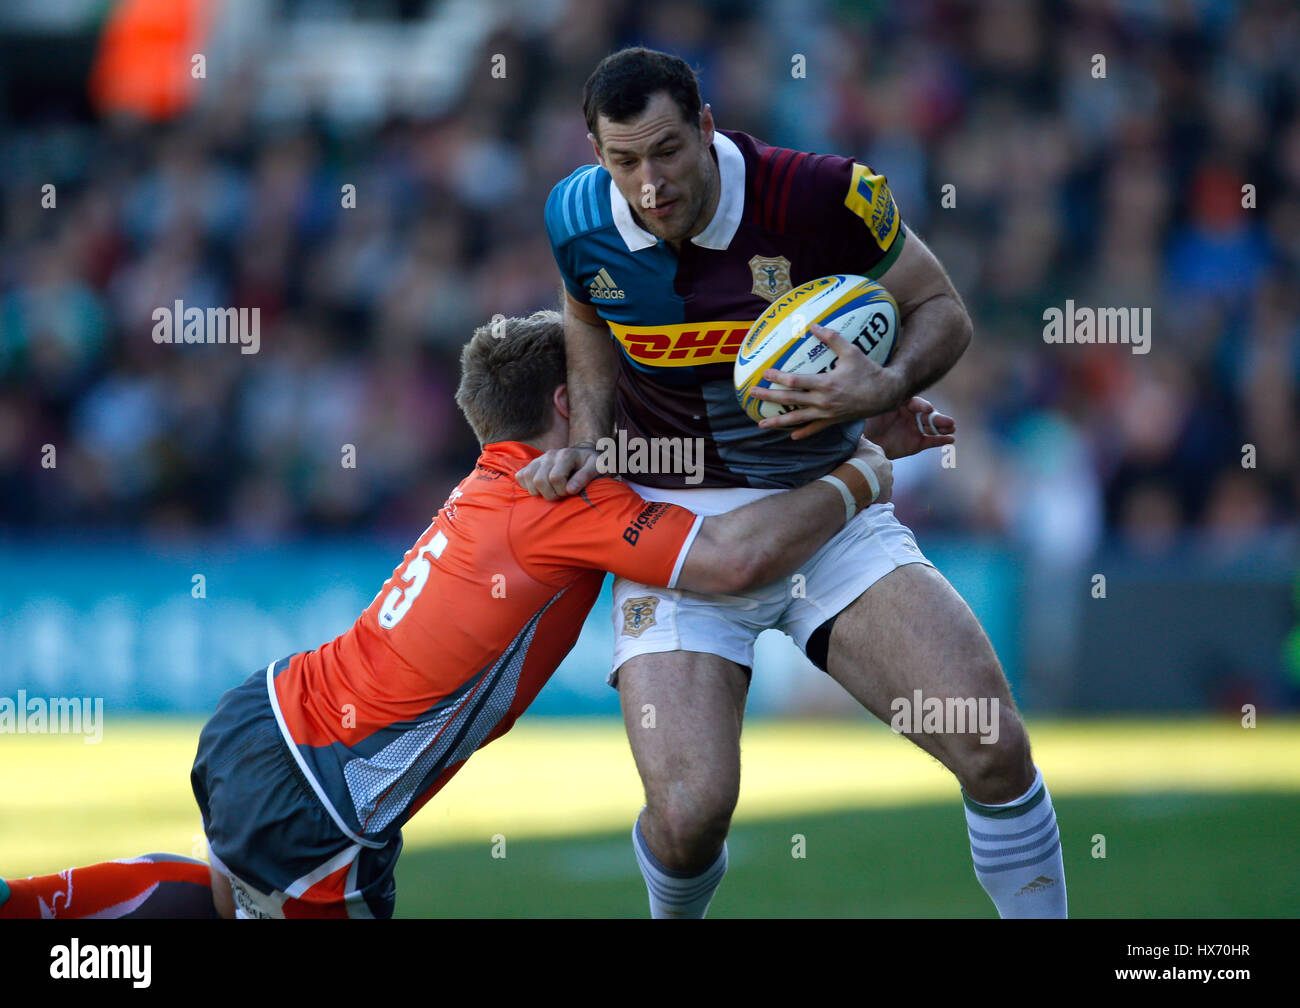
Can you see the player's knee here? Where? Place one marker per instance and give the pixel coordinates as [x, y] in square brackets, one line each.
[995, 764]
[691, 833]
[692, 843]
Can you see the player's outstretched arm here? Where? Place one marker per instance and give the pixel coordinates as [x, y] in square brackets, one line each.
[770, 538]
[611, 528]
[592, 373]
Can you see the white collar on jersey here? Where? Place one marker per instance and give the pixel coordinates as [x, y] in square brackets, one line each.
[726, 219]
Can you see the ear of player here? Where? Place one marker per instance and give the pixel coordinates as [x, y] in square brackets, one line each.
[859, 309]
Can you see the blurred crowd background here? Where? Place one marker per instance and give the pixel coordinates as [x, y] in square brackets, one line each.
[453, 120]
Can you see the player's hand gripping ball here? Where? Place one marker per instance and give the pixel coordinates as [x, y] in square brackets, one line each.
[860, 310]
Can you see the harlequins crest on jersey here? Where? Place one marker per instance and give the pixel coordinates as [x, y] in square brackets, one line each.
[771, 276]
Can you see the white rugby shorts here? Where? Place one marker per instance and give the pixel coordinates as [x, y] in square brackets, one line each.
[649, 620]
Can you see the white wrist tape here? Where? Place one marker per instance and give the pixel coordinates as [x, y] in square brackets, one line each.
[870, 475]
[850, 505]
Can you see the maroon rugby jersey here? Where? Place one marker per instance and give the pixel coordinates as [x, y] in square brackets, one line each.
[784, 217]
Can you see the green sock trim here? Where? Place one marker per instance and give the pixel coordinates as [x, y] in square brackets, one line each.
[1015, 812]
[4, 891]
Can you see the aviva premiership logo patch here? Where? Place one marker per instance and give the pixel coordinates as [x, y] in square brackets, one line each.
[639, 615]
[869, 197]
[771, 276]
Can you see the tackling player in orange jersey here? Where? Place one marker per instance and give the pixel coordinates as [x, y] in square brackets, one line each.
[307, 772]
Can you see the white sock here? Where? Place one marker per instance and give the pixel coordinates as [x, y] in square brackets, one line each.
[1016, 848]
[675, 894]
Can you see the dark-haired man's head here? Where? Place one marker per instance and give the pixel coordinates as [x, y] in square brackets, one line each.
[623, 82]
[653, 135]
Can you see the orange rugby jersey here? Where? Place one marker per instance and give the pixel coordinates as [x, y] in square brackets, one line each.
[462, 637]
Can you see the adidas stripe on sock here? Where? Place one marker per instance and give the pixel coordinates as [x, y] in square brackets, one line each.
[675, 894]
[1016, 848]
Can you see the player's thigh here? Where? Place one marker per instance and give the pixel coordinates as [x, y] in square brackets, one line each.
[911, 631]
[683, 711]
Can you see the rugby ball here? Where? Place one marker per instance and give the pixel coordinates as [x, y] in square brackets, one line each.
[859, 309]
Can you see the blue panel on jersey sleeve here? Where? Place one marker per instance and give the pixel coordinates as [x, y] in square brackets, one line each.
[574, 209]
[559, 231]
[637, 286]
[596, 192]
[583, 192]
[577, 197]
[575, 205]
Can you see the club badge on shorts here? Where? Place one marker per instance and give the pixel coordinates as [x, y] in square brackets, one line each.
[771, 276]
[639, 615]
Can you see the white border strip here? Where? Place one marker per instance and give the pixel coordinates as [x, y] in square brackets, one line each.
[686, 548]
[302, 765]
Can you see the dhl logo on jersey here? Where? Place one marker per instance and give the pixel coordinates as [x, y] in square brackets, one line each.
[686, 344]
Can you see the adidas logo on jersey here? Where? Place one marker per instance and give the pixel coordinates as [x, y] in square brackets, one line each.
[603, 287]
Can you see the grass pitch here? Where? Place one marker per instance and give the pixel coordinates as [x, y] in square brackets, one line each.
[1198, 818]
